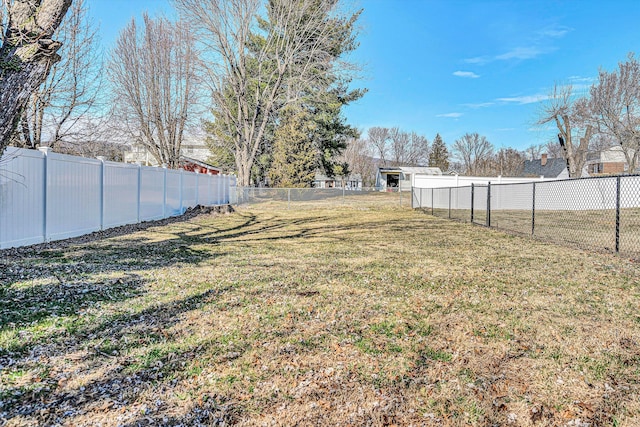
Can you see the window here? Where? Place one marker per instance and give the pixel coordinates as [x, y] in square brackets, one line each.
[596, 168]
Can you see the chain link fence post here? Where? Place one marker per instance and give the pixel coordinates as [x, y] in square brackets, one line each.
[472, 195]
[488, 223]
[618, 180]
[533, 210]
[432, 202]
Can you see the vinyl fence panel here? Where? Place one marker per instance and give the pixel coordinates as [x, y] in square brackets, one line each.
[189, 190]
[203, 189]
[22, 192]
[173, 205]
[48, 196]
[151, 193]
[73, 196]
[120, 194]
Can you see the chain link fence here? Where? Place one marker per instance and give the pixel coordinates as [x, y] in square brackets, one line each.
[312, 198]
[596, 213]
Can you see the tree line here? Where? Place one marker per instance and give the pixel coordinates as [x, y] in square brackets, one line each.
[606, 115]
[245, 71]
[266, 81]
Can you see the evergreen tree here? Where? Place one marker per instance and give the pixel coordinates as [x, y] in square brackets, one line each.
[269, 55]
[295, 157]
[439, 157]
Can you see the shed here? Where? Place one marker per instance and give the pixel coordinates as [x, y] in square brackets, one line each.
[400, 178]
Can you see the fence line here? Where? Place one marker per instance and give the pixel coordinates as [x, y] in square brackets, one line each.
[601, 213]
[311, 198]
[48, 196]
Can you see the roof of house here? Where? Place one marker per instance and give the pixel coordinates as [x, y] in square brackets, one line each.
[552, 169]
[199, 163]
[412, 169]
[351, 177]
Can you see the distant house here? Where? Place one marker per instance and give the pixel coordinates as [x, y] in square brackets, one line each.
[611, 161]
[545, 167]
[194, 165]
[400, 178]
[193, 148]
[351, 182]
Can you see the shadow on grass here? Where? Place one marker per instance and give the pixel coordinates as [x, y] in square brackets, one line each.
[124, 378]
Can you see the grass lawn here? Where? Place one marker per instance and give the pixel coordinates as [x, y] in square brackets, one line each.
[357, 314]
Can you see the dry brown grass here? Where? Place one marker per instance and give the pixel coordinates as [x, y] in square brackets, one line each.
[352, 315]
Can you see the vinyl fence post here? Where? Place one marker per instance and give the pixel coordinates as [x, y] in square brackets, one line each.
[472, 194]
[45, 198]
[197, 188]
[489, 204]
[343, 192]
[288, 198]
[618, 181]
[533, 210]
[432, 202]
[449, 202]
[222, 187]
[102, 178]
[139, 189]
[181, 190]
[164, 190]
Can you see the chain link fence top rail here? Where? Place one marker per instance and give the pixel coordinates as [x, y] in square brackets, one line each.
[596, 213]
[312, 198]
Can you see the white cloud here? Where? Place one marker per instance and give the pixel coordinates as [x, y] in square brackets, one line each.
[478, 60]
[450, 115]
[555, 32]
[521, 53]
[517, 53]
[521, 100]
[581, 79]
[467, 74]
[479, 105]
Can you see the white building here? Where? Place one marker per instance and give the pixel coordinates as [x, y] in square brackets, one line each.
[193, 148]
[401, 178]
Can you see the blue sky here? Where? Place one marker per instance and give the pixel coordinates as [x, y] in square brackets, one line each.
[452, 67]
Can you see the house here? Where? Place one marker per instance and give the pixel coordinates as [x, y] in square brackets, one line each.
[400, 178]
[351, 182]
[546, 167]
[611, 161]
[194, 165]
[193, 148]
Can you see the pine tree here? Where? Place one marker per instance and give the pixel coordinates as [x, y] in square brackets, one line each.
[294, 153]
[439, 157]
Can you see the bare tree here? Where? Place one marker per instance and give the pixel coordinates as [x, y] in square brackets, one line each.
[408, 149]
[615, 105]
[572, 120]
[474, 152]
[359, 157]
[26, 55]
[509, 162]
[153, 73]
[258, 65]
[553, 150]
[534, 151]
[379, 139]
[60, 106]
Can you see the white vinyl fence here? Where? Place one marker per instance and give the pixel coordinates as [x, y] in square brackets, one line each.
[48, 196]
[441, 181]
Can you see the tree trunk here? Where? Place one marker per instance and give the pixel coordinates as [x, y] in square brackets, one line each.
[26, 57]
